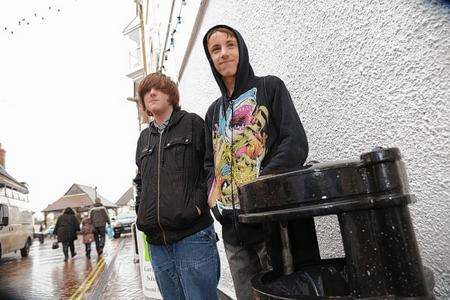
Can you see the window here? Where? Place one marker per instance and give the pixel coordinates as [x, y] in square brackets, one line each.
[26, 217]
[14, 215]
[4, 215]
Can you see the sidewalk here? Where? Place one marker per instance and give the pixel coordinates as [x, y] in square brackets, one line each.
[121, 278]
[115, 275]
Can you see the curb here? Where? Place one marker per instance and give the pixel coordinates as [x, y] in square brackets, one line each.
[98, 288]
[90, 279]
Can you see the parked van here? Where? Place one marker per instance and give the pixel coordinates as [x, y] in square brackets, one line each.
[16, 216]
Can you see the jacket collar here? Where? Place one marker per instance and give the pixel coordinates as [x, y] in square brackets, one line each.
[174, 119]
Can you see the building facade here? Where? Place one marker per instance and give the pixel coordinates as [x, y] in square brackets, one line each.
[81, 199]
[126, 202]
[162, 35]
[360, 75]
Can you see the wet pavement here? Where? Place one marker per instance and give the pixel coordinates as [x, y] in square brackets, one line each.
[45, 275]
[121, 279]
[226, 281]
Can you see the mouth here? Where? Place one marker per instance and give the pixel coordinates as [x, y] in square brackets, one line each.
[226, 62]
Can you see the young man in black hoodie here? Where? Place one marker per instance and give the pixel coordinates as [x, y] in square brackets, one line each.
[253, 129]
[171, 202]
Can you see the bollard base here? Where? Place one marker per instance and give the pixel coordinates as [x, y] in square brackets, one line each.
[322, 281]
[328, 277]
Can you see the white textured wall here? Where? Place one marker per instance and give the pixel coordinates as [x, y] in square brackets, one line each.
[362, 74]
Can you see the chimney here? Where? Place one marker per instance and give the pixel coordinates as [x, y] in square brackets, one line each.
[2, 156]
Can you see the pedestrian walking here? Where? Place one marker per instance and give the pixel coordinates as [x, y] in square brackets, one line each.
[66, 229]
[87, 229]
[253, 129]
[99, 218]
[41, 233]
[171, 202]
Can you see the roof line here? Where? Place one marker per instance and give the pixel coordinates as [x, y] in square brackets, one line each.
[126, 27]
[74, 195]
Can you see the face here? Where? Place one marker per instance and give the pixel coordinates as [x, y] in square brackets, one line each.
[224, 52]
[157, 102]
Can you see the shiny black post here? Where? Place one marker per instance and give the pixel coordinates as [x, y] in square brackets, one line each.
[370, 197]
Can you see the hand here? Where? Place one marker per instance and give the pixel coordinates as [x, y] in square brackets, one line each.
[216, 192]
[212, 202]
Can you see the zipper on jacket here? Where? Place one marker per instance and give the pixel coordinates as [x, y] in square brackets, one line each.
[159, 175]
[235, 223]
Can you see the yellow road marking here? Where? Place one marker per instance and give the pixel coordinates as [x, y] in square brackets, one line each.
[87, 283]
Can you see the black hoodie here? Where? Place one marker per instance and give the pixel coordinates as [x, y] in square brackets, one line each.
[256, 131]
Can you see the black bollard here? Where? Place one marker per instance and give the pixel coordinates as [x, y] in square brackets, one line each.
[370, 198]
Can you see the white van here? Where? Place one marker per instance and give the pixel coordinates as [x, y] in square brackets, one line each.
[16, 219]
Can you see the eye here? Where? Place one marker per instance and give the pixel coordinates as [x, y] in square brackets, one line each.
[231, 44]
[214, 49]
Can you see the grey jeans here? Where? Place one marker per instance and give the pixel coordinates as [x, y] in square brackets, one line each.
[246, 262]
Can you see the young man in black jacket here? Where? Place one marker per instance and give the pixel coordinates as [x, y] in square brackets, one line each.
[171, 202]
[253, 129]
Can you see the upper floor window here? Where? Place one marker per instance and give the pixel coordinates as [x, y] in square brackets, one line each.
[4, 215]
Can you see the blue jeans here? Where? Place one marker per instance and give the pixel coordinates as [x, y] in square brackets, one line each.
[188, 269]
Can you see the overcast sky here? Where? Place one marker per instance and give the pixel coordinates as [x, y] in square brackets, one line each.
[64, 117]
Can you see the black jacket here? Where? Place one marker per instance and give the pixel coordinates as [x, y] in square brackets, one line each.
[256, 131]
[171, 180]
[66, 227]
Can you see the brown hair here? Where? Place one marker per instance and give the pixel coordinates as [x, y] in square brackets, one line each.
[225, 30]
[160, 82]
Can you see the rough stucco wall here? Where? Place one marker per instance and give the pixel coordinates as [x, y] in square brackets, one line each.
[361, 74]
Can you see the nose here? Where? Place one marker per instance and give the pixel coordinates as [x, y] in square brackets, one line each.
[224, 52]
[152, 93]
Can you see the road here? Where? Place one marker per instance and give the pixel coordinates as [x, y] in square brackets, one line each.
[45, 275]
[115, 275]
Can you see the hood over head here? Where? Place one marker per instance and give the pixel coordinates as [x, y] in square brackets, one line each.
[244, 69]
